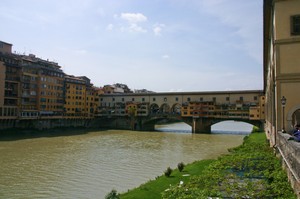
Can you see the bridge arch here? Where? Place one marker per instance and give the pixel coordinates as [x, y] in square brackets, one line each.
[176, 108]
[243, 127]
[165, 108]
[154, 108]
[257, 123]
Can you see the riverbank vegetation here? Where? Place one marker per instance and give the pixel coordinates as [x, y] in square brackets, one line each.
[249, 171]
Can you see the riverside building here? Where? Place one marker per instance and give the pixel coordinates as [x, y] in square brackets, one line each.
[282, 81]
[34, 89]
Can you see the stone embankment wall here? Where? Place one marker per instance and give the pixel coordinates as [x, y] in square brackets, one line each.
[42, 124]
[289, 151]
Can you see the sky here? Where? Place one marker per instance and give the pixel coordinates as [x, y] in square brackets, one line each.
[158, 45]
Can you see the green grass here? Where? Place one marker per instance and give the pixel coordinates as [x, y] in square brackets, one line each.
[254, 159]
[154, 188]
[250, 170]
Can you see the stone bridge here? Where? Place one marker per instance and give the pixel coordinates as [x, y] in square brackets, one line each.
[200, 110]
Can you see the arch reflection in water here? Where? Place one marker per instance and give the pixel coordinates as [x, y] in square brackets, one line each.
[178, 127]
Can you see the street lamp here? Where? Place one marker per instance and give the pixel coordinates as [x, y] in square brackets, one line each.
[283, 102]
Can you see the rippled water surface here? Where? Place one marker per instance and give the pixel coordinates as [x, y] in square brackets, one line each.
[91, 165]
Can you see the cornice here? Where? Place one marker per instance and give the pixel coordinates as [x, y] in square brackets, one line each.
[288, 41]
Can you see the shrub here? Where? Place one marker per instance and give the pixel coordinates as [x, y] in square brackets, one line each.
[180, 166]
[168, 172]
[255, 129]
[250, 171]
[112, 195]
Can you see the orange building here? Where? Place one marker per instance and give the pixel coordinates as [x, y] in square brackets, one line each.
[10, 80]
[41, 88]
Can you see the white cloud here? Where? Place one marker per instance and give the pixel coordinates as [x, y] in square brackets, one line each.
[157, 29]
[133, 18]
[165, 57]
[135, 28]
[110, 27]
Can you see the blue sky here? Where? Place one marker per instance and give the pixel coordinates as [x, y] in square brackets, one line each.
[159, 45]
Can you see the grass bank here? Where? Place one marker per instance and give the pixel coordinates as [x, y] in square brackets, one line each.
[249, 171]
[154, 188]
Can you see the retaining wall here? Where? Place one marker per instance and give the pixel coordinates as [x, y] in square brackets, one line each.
[289, 151]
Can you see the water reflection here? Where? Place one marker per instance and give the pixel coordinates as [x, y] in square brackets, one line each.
[178, 127]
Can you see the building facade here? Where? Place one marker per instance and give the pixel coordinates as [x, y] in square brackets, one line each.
[227, 104]
[75, 90]
[41, 88]
[11, 81]
[81, 98]
[281, 65]
[35, 89]
[282, 81]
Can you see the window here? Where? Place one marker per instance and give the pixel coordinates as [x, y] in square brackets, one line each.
[143, 99]
[214, 99]
[227, 99]
[176, 99]
[133, 99]
[153, 99]
[255, 98]
[241, 99]
[201, 99]
[295, 25]
[188, 99]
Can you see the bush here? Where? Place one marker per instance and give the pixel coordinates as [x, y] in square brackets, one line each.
[112, 195]
[255, 129]
[168, 172]
[180, 166]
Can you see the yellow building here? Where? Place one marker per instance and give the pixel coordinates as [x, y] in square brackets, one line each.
[75, 94]
[131, 109]
[281, 65]
[92, 100]
[282, 81]
[81, 98]
[197, 109]
[258, 112]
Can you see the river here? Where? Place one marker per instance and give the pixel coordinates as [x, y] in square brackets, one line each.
[90, 165]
